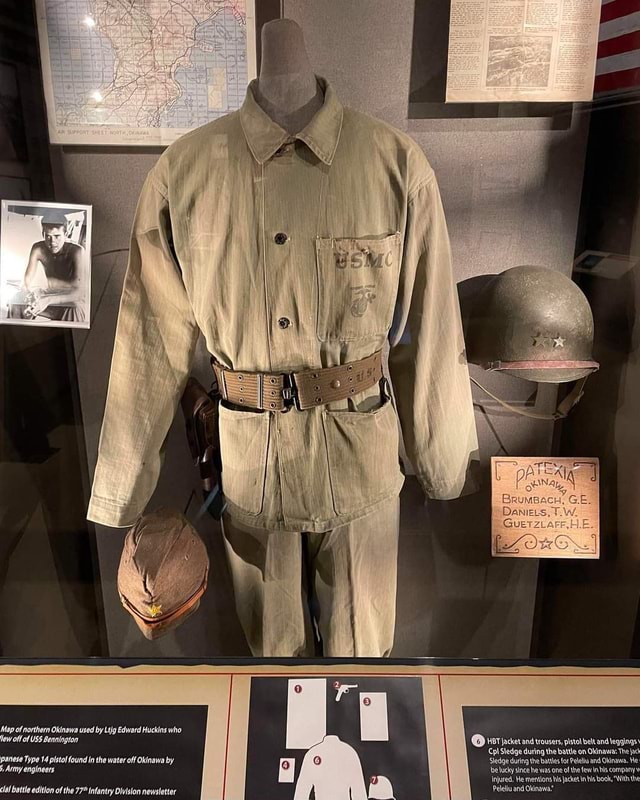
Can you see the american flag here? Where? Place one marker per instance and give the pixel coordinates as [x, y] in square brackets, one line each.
[618, 64]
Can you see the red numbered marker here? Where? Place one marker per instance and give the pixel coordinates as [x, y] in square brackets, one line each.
[374, 779]
[285, 765]
[297, 688]
[336, 684]
[367, 701]
[317, 760]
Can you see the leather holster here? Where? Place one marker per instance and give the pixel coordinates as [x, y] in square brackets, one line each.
[200, 409]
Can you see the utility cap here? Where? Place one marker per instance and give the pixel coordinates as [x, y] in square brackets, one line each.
[163, 571]
[54, 216]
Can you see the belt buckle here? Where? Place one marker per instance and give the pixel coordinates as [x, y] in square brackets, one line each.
[289, 392]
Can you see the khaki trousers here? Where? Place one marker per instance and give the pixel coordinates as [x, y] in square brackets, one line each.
[346, 575]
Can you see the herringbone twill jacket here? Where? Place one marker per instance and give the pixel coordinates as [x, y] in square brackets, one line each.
[290, 253]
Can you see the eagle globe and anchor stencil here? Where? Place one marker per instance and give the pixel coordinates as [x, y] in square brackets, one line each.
[362, 296]
[349, 737]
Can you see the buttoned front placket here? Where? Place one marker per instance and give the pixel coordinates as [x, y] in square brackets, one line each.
[293, 184]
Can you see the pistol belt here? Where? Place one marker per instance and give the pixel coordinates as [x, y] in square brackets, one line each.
[265, 391]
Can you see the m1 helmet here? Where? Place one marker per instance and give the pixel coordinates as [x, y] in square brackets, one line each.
[534, 323]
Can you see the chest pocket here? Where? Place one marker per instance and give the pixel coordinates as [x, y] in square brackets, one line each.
[357, 284]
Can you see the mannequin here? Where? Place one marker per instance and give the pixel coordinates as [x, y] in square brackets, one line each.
[287, 90]
[279, 234]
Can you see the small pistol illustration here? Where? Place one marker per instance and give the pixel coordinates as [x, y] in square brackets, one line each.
[343, 688]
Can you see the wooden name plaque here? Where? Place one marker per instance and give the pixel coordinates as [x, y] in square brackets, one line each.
[545, 507]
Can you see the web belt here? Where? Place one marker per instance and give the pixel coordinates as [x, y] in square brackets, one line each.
[312, 387]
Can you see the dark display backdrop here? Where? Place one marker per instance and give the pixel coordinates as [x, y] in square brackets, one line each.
[511, 190]
[403, 759]
[38, 750]
[562, 753]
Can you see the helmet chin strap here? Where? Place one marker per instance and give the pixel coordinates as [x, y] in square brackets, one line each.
[562, 410]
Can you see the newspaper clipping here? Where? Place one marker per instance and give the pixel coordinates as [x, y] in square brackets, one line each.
[522, 50]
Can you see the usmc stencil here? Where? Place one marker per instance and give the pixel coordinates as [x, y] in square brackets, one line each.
[357, 285]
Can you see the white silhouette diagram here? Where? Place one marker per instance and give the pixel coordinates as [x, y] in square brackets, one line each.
[343, 688]
[380, 788]
[306, 712]
[374, 720]
[287, 771]
[332, 769]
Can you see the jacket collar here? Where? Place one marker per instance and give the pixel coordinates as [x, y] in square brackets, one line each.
[264, 136]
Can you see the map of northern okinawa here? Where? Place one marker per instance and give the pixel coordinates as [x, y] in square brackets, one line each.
[142, 71]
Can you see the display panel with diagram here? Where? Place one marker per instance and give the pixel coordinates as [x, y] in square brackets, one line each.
[356, 737]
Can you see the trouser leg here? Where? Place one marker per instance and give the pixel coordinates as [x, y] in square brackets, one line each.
[266, 569]
[355, 577]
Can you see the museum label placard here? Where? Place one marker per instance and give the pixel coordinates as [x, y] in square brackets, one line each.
[544, 507]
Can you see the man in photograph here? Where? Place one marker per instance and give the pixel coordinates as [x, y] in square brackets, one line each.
[62, 261]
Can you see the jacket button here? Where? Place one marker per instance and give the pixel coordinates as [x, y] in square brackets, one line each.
[284, 322]
[280, 238]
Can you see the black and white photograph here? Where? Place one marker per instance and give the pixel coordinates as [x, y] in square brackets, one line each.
[45, 271]
[523, 61]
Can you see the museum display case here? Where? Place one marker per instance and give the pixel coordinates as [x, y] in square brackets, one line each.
[318, 330]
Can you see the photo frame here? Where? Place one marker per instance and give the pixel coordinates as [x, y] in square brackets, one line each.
[45, 268]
